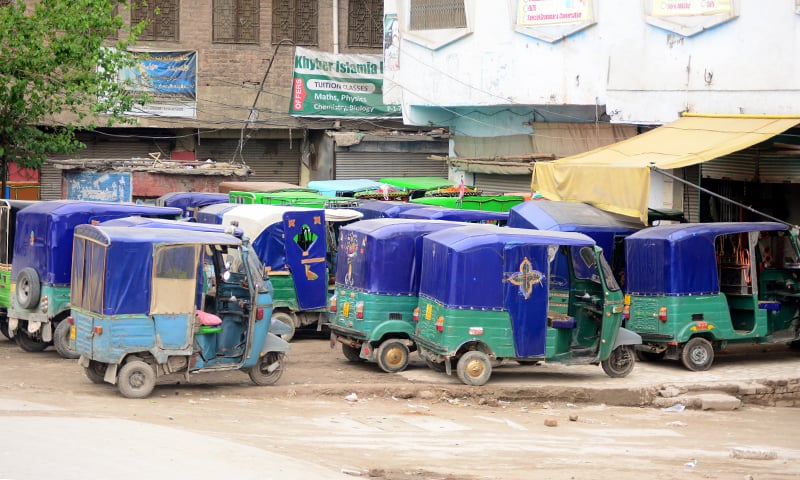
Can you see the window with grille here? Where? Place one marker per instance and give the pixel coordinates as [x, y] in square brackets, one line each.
[437, 14]
[365, 23]
[236, 21]
[5, 3]
[296, 21]
[161, 18]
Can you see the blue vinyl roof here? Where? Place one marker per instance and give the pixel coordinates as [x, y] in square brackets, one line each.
[457, 215]
[336, 188]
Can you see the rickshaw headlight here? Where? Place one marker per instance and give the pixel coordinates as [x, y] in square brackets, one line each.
[360, 310]
[43, 304]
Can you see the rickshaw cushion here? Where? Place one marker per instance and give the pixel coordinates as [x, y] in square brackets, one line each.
[558, 320]
[772, 306]
[208, 319]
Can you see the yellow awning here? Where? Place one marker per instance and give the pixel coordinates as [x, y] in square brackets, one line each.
[616, 178]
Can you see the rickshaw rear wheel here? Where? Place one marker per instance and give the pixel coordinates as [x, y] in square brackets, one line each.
[288, 320]
[352, 354]
[61, 341]
[474, 368]
[393, 356]
[96, 371]
[698, 354]
[268, 370]
[136, 379]
[620, 363]
[28, 343]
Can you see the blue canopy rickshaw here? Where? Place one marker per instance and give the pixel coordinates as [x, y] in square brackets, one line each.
[469, 216]
[214, 213]
[191, 202]
[384, 209]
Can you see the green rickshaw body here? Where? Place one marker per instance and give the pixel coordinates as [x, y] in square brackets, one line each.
[489, 293]
[717, 284]
[299, 198]
[493, 203]
[377, 281]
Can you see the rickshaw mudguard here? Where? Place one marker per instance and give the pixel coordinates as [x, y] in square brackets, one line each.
[306, 249]
[277, 327]
[274, 343]
[390, 327]
[626, 337]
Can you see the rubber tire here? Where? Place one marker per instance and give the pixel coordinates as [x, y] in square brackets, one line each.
[393, 356]
[259, 374]
[795, 345]
[28, 288]
[436, 366]
[29, 344]
[136, 379]
[61, 341]
[620, 363]
[96, 372]
[4, 327]
[645, 356]
[287, 319]
[352, 354]
[698, 354]
[474, 368]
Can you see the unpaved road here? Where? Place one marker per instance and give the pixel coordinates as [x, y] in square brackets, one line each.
[398, 427]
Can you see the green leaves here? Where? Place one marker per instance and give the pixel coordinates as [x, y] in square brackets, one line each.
[56, 74]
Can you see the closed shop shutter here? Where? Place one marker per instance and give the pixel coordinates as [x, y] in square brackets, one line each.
[736, 166]
[50, 182]
[492, 183]
[269, 160]
[375, 165]
[779, 169]
[691, 195]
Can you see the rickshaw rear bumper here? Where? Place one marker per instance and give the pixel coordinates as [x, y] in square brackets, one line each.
[427, 347]
[346, 332]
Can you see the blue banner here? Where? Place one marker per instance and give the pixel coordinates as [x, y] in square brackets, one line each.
[168, 78]
[101, 187]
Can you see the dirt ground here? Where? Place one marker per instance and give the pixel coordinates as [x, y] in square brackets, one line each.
[356, 421]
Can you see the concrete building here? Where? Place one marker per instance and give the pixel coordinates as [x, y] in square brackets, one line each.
[517, 82]
[236, 123]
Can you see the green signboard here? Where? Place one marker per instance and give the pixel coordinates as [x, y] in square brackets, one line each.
[339, 86]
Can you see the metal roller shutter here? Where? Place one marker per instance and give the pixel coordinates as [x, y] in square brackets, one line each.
[269, 160]
[49, 182]
[374, 165]
[691, 195]
[779, 169]
[491, 183]
[736, 166]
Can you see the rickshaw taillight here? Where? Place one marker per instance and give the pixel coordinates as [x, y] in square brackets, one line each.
[662, 314]
[415, 316]
[332, 304]
[440, 324]
[259, 314]
[44, 304]
[626, 312]
[360, 310]
[98, 330]
[71, 320]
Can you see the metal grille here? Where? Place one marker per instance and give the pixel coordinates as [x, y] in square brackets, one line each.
[365, 23]
[436, 14]
[691, 195]
[269, 160]
[162, 26]
[296, 21]
[49, 182]
[375, 165]
[236, 21]
[492, 184]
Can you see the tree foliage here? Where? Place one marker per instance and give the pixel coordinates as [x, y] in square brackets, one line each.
[58, 74]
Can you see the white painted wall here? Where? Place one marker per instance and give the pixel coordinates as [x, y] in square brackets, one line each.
[643, 74]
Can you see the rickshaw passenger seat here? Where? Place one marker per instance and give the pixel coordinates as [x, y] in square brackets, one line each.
[560, 320]
[208, 319]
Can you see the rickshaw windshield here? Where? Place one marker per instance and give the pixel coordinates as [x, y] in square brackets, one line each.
[585, 267]
[257, 270]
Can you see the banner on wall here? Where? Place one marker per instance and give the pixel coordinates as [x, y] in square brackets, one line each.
[168, 78]
[689, 8]
[100, 187]
[339, 86]
[550, 12]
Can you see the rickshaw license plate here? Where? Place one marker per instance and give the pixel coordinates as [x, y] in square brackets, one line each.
[72, 332]
[346, 309]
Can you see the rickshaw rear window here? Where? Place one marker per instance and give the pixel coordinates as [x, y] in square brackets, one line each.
[88, 273]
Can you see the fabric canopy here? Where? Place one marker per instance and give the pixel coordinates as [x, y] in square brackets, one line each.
[616, 178]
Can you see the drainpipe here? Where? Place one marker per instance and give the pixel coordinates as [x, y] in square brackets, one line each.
[336, 26]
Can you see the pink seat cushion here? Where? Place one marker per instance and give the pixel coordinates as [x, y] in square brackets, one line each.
[208, 318]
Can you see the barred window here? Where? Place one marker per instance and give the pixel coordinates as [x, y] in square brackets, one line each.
[236, 21]
[437, 14]
[161, 17]
[365, 23]
[296, 21]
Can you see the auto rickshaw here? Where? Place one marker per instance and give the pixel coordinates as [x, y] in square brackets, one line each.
[693, 289]
[496, 203]
[191, 202]
[358, 188]
[417, 187]
[40, 271]
[384, 209]
[298, 248]
[8, 224]
[376, 289]
[159, 318]
[487, 293]
[456, 215]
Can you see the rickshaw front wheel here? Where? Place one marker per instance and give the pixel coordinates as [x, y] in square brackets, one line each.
[620, 363]
[393, 356]
[136, 379]
[96, 371]
[474, 368]
[698, 354]
[268, 370]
